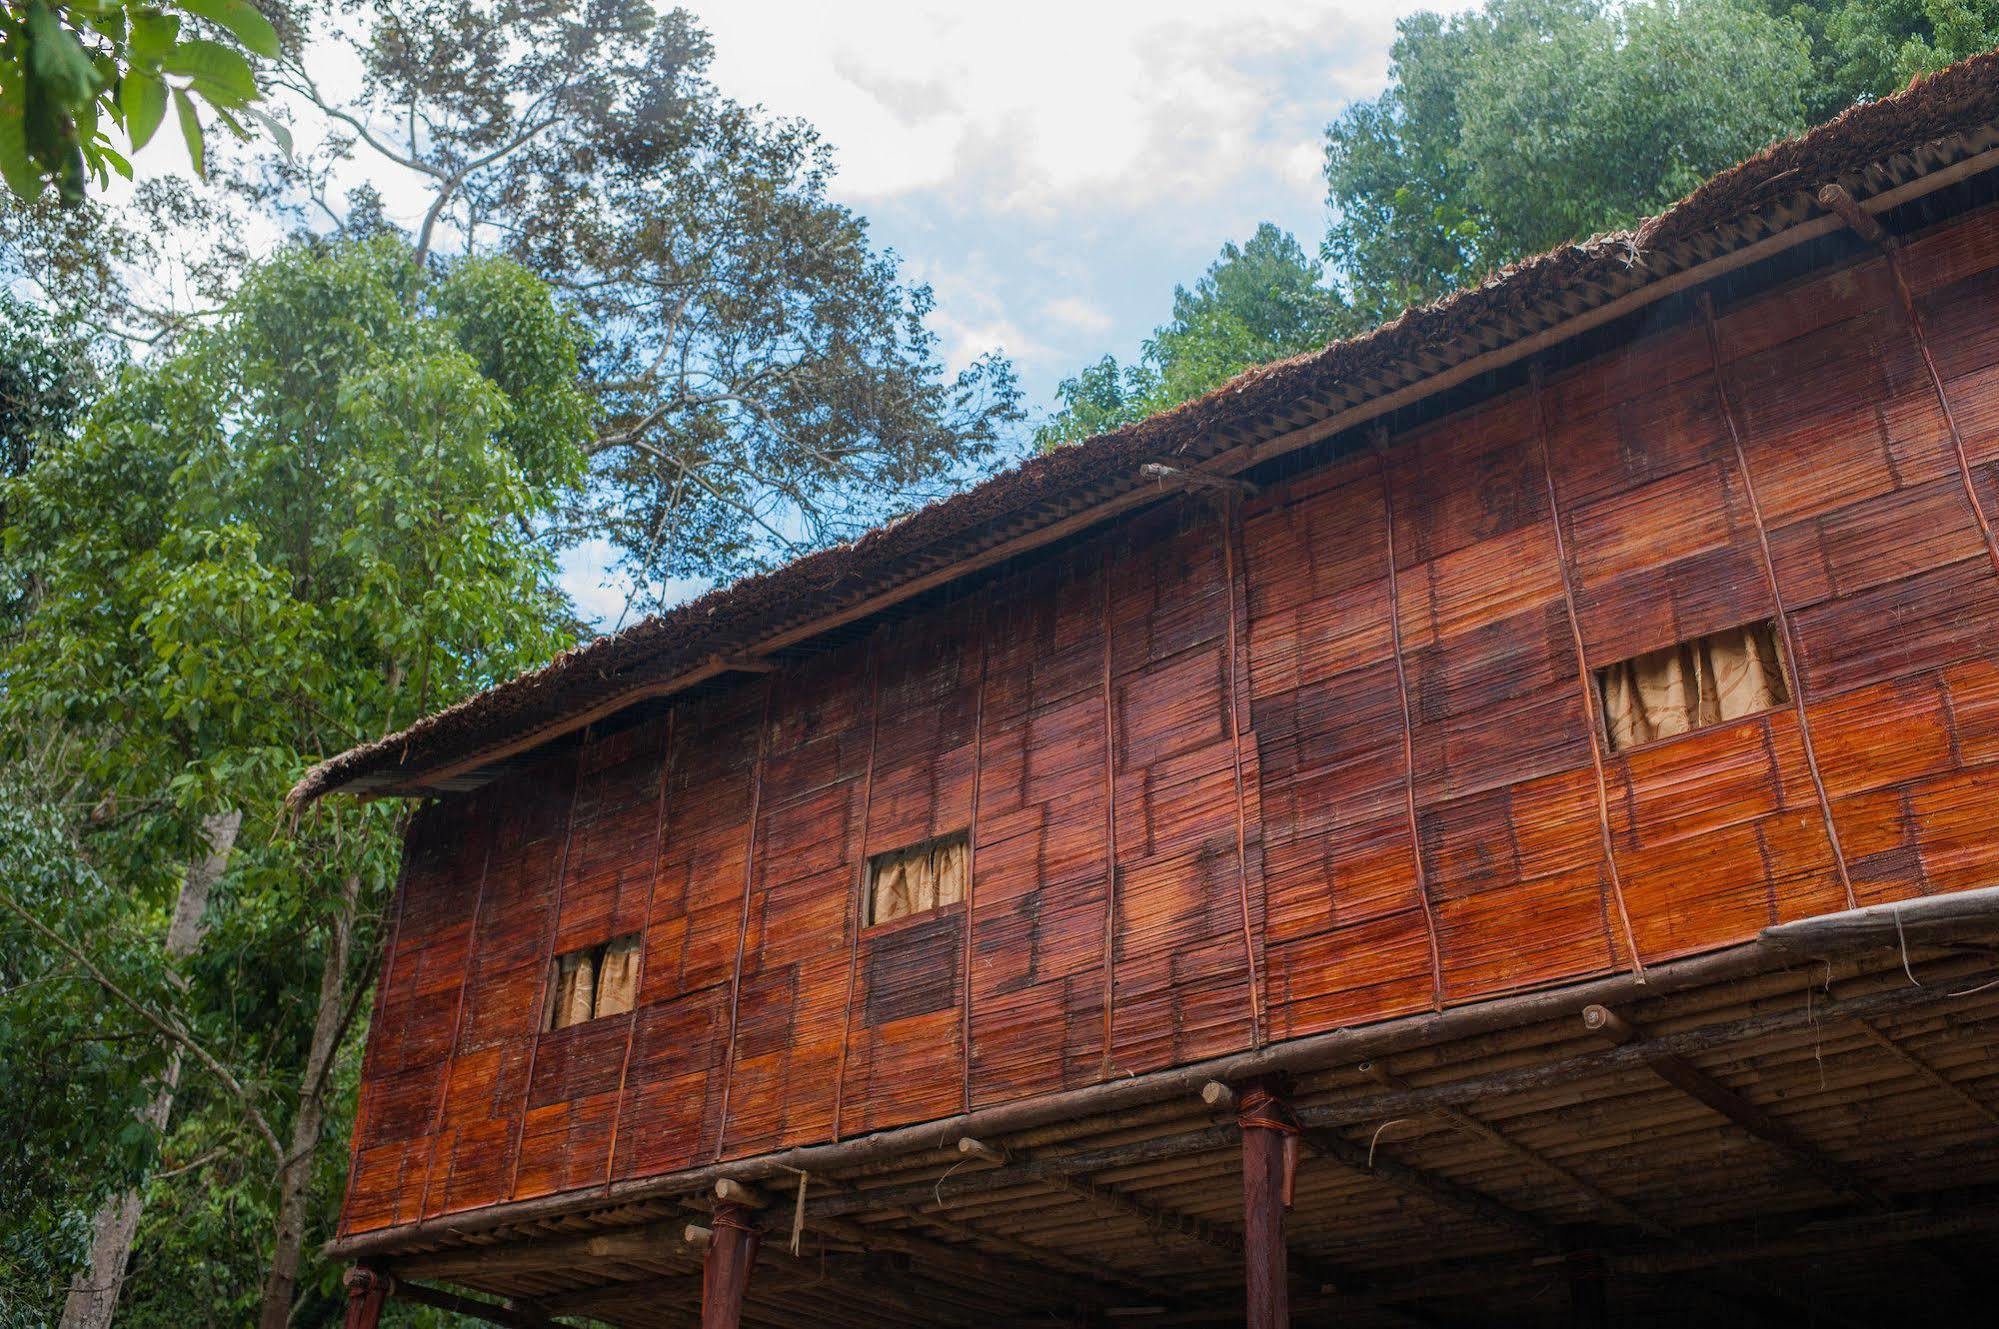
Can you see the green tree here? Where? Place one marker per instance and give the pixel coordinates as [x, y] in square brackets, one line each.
[766, 381]
[302, 529]
[1864, 49]
[1258, 301]
[1528, 123]
[72, 70]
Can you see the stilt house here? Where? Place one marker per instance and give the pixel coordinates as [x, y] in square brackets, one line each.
[1495, 822]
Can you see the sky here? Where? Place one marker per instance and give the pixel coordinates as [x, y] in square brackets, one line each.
[1052, 170]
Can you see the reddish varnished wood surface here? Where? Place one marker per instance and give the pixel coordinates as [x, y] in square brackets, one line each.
[1225, 696]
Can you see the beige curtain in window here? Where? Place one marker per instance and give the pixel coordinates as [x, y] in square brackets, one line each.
[575, 990]
[618, 977]
[898, 887]
[1700, 682]
[949, 861]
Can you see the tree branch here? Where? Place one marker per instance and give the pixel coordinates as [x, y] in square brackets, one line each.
[170, 1028]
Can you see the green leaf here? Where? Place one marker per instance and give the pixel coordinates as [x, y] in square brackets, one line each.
[242, 21]
[221, 75]
[56, 59]
[153, 36]
[16, 166]
[190, 130]
[277, 129]
[143, 99]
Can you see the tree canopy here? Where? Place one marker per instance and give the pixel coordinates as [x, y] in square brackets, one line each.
[1520, 125]
[302, 529]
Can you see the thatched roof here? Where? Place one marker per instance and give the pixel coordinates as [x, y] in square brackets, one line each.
[1873, 149]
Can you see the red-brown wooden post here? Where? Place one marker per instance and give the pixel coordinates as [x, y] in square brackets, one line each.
[367, 1292]
[1269, 1166]
[725, 1267]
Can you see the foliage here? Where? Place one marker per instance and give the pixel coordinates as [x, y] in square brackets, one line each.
[71, 70]
[1258, 301]
[1863, 49]
[1528, 123]
[73, 1069]
[302, 529]
[764, 379]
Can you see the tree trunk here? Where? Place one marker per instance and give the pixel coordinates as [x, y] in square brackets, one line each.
[295, 1177]
[94, 1295]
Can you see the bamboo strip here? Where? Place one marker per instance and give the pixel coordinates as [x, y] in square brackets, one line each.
[1231, 537]
[743, 927]
[645, 934]
[857, 910]
[1786, 630]
[546, 988]
[1592, 721]
[458, 1014]
[1408, 728]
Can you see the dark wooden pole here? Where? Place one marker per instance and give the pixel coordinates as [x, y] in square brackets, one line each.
[725, 1268]
[367, 1292]
[1269, 1165]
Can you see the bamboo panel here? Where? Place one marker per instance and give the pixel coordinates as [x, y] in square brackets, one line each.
[904, 1022]
[405, 1067]
[785, 1065]
[670, 1116]
[1037, 978]
[488, 1077]
[1181, 973]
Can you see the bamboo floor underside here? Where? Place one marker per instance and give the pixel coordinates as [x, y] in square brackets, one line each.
[1463, 1218]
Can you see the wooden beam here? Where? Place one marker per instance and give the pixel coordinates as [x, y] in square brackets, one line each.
[1934, 918]
[1697, 1084]
[503, 1313]
[1269, 1166]
[1978, 1106]
[1441, 1191]
[726, 1264]
[1472, 1124]
[1183, 478]
[655, 1243]
[1396, 1103]
[367, 1292]
[1156, 1217]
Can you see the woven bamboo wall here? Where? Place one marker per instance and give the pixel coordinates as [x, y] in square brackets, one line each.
[1336, 743]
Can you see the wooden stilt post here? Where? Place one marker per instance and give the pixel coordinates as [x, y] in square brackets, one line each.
[732, 1251]
[367, 1292]
[1269, 1166]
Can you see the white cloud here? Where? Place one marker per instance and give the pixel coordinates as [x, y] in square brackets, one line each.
[1071, 312]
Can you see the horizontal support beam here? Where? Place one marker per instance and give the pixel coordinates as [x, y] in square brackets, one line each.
[1936, 918]
[1392, 1103]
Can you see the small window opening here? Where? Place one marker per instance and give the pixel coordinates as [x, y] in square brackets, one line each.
[592, 983]
[1705, 681]
[918, 878]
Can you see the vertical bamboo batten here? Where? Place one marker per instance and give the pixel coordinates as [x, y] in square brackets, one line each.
[857, 910]
[1786, 630]
[1110, 815]
[458, 1012]
[1915, 320]
[543, 987]
[1232, 562]
[1408, 728]
[666, 752]
[743, 924]
[1592, 720]
[972, 849]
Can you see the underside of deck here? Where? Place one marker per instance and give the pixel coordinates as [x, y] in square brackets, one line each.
[1808, 1136]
